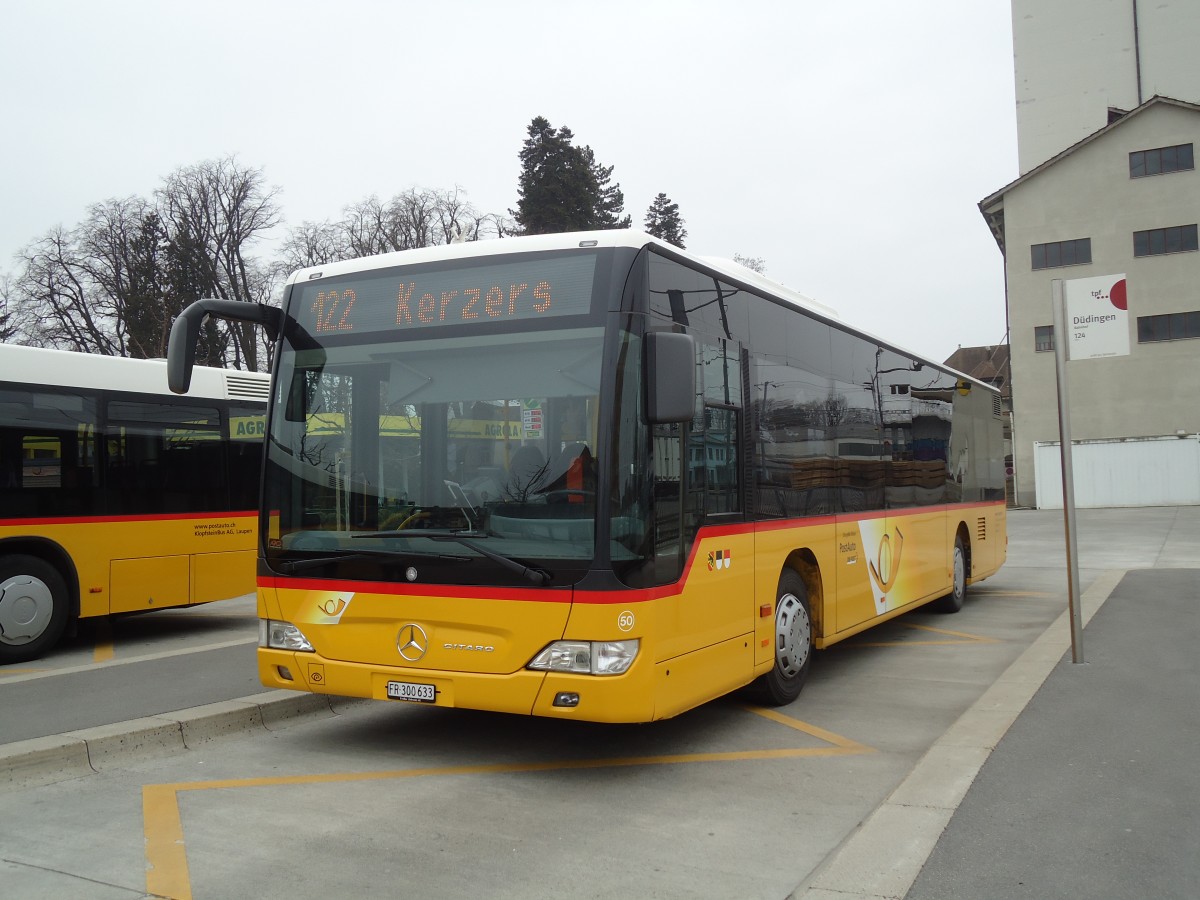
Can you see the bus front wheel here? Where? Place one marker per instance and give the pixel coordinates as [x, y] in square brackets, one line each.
[33, 607]
[793, 643]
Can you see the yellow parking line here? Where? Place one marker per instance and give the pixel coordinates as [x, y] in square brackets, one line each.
[104, 640]
[967, 638]
[166, 851]
[956, 637]
[202, 613]
[166, 859]
[844, 744]
[978, 594]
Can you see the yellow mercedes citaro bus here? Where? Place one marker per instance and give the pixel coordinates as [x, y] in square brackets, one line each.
[118, 496]
[592, 476]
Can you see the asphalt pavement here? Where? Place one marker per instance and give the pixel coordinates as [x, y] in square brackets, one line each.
[1063, 780]
[97, 695]
[1087, 787]
[1094, 792]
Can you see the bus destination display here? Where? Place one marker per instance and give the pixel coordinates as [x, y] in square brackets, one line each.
[401, 299]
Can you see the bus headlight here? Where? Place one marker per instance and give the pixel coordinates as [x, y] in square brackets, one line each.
[282, 636]
[587, 657]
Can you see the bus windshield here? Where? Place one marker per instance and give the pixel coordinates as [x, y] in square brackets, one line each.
[457, 460]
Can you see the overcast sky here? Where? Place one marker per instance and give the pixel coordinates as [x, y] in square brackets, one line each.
[845, 143]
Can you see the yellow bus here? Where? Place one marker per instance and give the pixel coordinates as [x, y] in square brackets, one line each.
[118, 496]
[592, 476]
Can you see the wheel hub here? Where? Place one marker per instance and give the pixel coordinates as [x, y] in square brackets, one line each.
[793, 635]
[26, 606]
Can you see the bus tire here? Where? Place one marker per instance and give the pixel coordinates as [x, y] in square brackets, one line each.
[953, 601]
[793, 643]
[33, 607]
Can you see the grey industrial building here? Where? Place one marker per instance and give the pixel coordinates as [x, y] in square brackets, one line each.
[1107, 126]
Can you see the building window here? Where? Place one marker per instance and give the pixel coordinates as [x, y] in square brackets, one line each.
[1161, 160]
[1157, 241]
[1170, 327]
[1062, 253]
[1043, 338]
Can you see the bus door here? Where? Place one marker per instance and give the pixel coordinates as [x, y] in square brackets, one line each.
[718, 600]
[905, 551]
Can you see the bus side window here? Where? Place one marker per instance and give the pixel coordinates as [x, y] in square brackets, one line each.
[715, 434]
[667, 502]
[721, 437]
[10, 459]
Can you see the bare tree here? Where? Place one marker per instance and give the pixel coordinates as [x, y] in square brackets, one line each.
[458, 220]
[99, 287]
[367, 228]
[10, 314]
[491, 226]
[416, 217]
[115, 283]
[122, 247]
[214, 211]
[312, 244]
[408, 220]
[60, 303]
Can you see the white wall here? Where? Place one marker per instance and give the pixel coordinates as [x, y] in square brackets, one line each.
[1147, 472]
[1073, 59]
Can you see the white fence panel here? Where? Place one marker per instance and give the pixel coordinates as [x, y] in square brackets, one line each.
[1134, 472]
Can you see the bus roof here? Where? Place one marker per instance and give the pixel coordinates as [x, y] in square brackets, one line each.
[541, 243]
[66, 368]
[617, 237]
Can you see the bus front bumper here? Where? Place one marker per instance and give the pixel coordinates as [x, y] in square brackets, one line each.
[526, 692]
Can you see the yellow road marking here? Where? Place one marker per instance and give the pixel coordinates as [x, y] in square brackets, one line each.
[844, 744]
[202, 613]
[104, 641]
[957, 637]
[34, 674]
[166, 861]
[166, 851]
[980, 594]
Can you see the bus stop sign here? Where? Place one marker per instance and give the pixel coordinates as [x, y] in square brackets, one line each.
[1097, 317]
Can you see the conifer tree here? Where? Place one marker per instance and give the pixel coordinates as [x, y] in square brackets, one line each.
[663, 221]
[610, 199]
[562, 187]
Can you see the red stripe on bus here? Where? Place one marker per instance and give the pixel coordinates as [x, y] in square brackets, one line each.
[163, 517]
[469, 592]
[567, 595]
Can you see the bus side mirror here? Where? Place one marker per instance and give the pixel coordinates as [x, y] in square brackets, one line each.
[670, 365]
[185, 333]
[181, 351]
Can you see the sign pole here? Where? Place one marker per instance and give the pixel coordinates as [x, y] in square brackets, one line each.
[1061, 335]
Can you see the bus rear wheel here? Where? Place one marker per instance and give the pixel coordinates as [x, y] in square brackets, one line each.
[953, 601]
[793, 643]
[33, 607]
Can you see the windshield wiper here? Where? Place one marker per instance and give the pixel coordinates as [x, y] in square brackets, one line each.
[466, 539]
[288, 567]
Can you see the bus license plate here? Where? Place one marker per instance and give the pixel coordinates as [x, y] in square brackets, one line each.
[407, 690]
